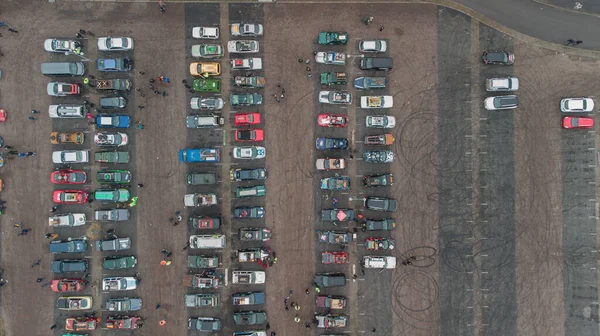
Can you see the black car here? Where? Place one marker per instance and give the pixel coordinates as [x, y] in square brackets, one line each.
[381, 204]
[324, 280]
[384, 180]
[69, 266]
[331, 143]
[248, 174]
[498, 57]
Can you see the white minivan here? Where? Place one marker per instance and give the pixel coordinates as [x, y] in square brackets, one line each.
[216, 241]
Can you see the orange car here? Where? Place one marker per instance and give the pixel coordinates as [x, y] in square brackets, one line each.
[58, 138]
[208, 69]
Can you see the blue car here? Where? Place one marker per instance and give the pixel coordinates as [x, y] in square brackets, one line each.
[199, 155]
[332, 143]
[114, 64]
[113, 121]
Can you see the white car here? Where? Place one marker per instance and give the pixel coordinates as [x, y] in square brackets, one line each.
[246, 64]
[67, 220]
[246, 29]
[71, 156]
[381, 262]
[373, 102]
[249, 152]
[501, 102]
[115, 43]
[577, 105]
[211, 33]
[119, 283]
[502, 84]
[111, 139]
[376, 46]
[243, 47]
[66, 111]
[61, 46]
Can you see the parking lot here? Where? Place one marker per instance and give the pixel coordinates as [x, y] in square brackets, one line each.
[496, 209]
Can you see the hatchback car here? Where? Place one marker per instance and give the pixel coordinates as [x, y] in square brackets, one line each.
[502, 84]
[113, 121]
[211, 33]
[376, 46]
[498, 57]
[206, 324]
[123, 304]
[381, 204]
[115, 43]
[198, 103]
[113, 102]
[114, 64]
[577, 105]
[577, 122]
[71, 156]
[246, 29]
[331, 143]
[253, 135]
[501, 102]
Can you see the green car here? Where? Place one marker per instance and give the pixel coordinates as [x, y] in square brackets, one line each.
[245, 99]
[118, 262]
[334, 78]
[113, 176]
[112, 195]
[207, 85]
[256, 191]
[333, 38]
[112, 157]
[207, 51]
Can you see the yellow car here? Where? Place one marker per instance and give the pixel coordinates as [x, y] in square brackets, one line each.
[205, 69]
[57, 138]
[74, 302]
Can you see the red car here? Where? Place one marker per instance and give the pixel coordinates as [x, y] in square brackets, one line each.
[334, 258]
[577, 122]
[332, 120]
[67, 285]
[68, 176]
[242, 119]
[69, 197]
[253, 135]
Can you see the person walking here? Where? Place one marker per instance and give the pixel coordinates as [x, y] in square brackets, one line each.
[158, 306]
[381, 28]
[578, 42]
[32, 118]
[140, 185]
[53, 327]
[37, 263]
[569, 42]
[40, 279]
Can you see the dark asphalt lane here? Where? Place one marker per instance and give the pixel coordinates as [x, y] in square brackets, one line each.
[540, 21]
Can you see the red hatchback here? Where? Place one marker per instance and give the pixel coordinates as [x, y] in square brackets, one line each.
[242, 119]
[577, 122]
[332, 120]
[69, 197]
[68, 176]
[254, 135]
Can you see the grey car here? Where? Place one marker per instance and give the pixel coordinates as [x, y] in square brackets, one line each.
[69, 266]
[381, 204]
[71, 246]
[324, 280]
[113, 102]
[249, 318]
[124, 304]
[204, 324]
[380, 225]
[117, 244]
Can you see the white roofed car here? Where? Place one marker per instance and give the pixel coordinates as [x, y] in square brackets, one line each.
[243, 47]
[111, 139]
[381, 262]
[61, 46]
[67, 220]
[383, 121]
[372, 102]
[502, 84]
[377, 46]
[205, 33]
[119, 283]
[577, 105]
[249, 152]
[246, 29]
[115, 43]
[70, 156]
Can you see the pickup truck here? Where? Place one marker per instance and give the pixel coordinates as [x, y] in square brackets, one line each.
[331, 321]
[194, 200]
[207, 279]
[248, 298]
[201, 300]
[67, 220]
[369, 83]
[203, 261]
[249, 81]
[330, 57]
[117, 244]
[113, 84]
[187, 155]
[331, 302]
[252, 254]
[248, 277]
[112, 157]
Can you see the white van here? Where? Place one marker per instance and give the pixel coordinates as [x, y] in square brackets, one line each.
[216, 241]
[379, 262]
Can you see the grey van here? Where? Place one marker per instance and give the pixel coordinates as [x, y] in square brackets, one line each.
[201, 178]
[63, 69]
[376, 63]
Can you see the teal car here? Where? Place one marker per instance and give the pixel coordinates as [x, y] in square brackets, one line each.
[119, 262]
[113, 176]
[246, 99]
[333, 38]
[114, 195]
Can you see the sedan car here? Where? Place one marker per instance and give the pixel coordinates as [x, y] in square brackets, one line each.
[205, 324]
[249, 318]
[577, 122]
[249, 212]
[70, 197]
[68, 176]
[501, 102]
[331, 143]
[335, 97]
[330, 164]
[119, 283]
[243, 47]
[211, 33]
[114, 64]
[71, 156]
[249, 152]
[74, 302]
[246, 99]
[246, 63]
[381, 204]
[207, 50]
[378, 156]
[242, 119]
[113, 121]
[61, 46]
[113, 176]
[199, 103]
[253, 135]
[577, 105]
[59, 138]
[384, 180]
[67, 285]
[380, 121]
[111, 139]
[379, 225]
[338, 215]
[119, 262]
[246, 29]
[334, 237]
[60, 89]
[333, 38]
[498, 57]
[247, 174]
[255, 234]
[115, 43]
[376, 46]
[332, 120]
[123, 304]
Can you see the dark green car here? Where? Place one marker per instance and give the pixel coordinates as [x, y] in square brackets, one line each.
[207, 85]
[334, 78]
[245, 99]
[118, 262]
[113, 176]
[333, 38]
[112, 157]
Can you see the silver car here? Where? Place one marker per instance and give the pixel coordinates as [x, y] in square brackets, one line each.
[375, 46]
[582, 104]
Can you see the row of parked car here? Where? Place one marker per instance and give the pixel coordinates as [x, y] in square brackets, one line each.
[113, 183]
[203, 267]
[338, 182]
